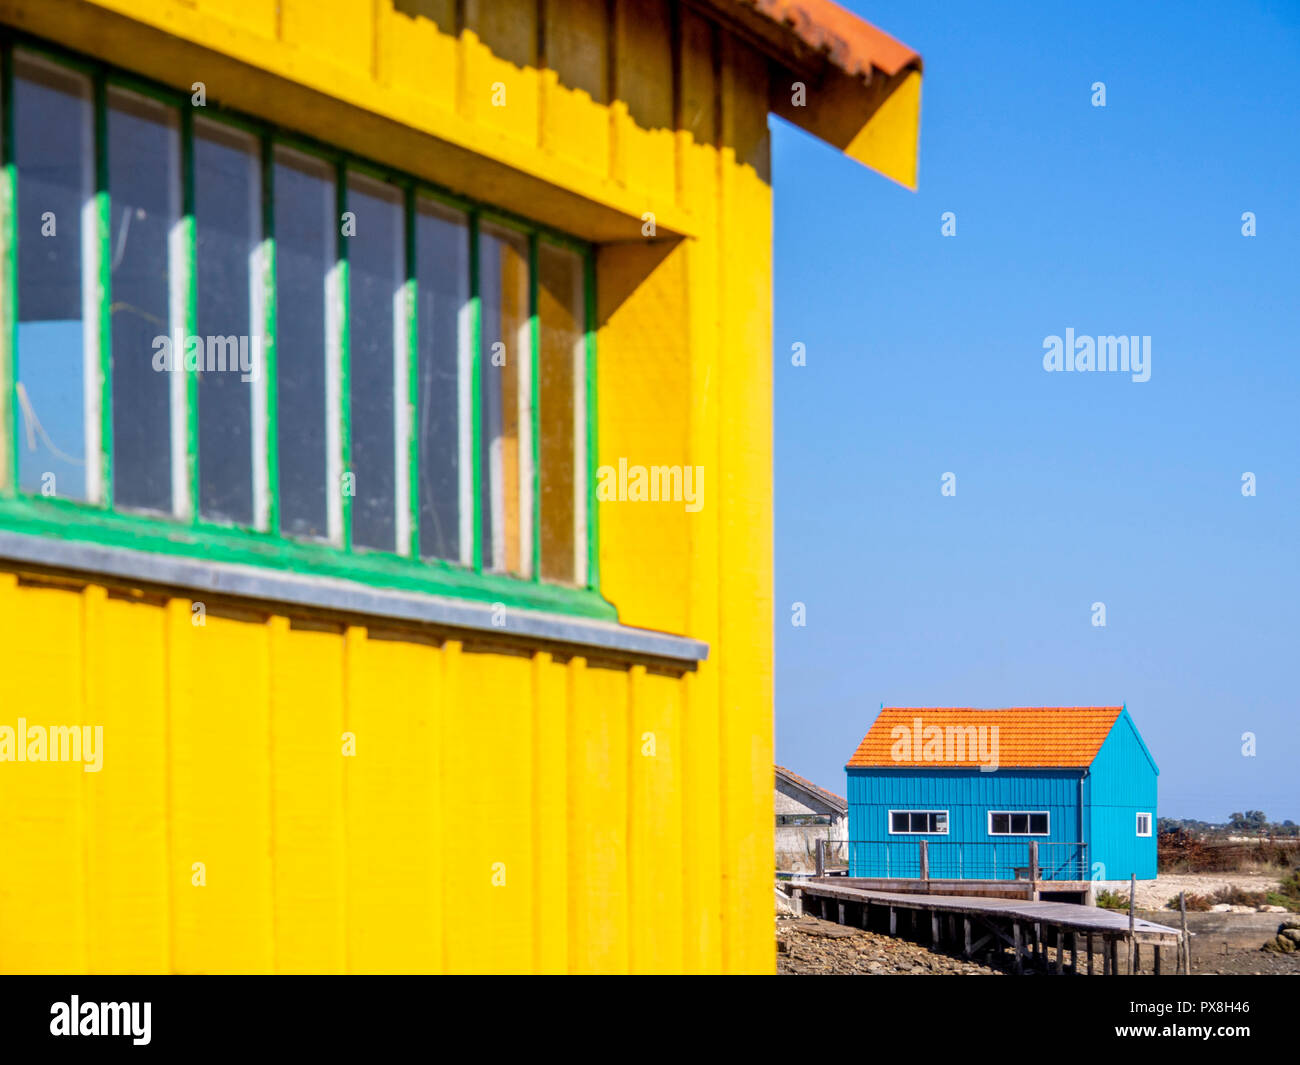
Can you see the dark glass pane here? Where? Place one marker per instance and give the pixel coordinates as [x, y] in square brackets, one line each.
[53, 148]
[305, 228]
[144, 190]
[504, 379]
[1038, 824]
[227, 208]
[376, 315]
[1019, 824]
[898, 821]
[442, 271]
[1001, 824]
[561, 371]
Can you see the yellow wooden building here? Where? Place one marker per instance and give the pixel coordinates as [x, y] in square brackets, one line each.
[386, 475]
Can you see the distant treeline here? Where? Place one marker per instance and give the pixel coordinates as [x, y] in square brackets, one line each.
[1251, 823]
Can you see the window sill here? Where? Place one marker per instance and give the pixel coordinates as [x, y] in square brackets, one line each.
[247, 565]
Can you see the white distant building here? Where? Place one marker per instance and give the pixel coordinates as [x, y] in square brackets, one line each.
[806, 814]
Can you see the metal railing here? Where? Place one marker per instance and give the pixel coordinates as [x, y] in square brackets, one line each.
[991, 860]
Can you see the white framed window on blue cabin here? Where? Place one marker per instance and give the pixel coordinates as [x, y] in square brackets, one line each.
[1019, 823]
[918, 822]
[1144, 824]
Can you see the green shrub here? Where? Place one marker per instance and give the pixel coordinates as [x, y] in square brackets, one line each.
[1235, 896]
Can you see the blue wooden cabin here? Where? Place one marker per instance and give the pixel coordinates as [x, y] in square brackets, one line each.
[980, 785]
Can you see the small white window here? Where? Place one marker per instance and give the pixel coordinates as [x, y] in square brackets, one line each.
[1019, 823]
[1144, 824]
[918, 822]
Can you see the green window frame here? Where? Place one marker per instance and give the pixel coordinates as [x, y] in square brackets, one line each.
[186, 532]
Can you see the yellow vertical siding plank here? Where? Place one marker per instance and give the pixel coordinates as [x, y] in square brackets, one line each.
[220, 737]
[488, 793]
[655, 800]
[127, 865]
[598, 759]
[745, 544]
[253, 16]
[337, 33]
[417, 49]
[393, 705]
[307, 797]
[575, 83]
[501, 83]
[643, 369]
[644, 79]
[42, 829]
[700, 753]
[550, 813]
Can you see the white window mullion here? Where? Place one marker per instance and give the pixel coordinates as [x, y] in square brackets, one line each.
[180, 261]
[334, 399]
[580, 466]
[93, 384]
[465, 426]
[524, 363]
[403, 430]
[259, 282]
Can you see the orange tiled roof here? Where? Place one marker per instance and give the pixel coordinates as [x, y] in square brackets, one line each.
[821, 30]
[1063, 737]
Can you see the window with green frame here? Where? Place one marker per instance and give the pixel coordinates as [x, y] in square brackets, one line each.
[224, 340]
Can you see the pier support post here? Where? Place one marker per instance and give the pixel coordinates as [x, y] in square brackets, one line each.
[1015, 935]
[1187, 940]
[965, 923]
[934, 929]
[1088, 945]
[893, 921]
[1074, 953]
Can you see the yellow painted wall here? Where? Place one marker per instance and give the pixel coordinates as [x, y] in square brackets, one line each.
[507, 809]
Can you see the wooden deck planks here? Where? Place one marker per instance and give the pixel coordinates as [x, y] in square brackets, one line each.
[1064, 915]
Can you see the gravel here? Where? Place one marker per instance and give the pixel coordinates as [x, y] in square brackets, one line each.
[807, 946]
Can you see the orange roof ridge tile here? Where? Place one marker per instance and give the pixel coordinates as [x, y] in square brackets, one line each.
[1062, 737]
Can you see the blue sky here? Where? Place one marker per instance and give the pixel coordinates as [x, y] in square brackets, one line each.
[924, 356]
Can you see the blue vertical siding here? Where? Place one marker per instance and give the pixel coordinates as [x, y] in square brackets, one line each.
[1122, 782]
[967, 851]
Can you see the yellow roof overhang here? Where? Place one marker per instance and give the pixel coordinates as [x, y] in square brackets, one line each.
[862, 87]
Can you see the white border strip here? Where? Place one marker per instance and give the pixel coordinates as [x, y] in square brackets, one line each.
[330, 593]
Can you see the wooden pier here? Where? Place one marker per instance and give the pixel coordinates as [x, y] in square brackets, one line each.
[977, 926]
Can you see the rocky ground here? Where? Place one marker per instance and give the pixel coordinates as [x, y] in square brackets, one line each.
[1247, 963]
[806, 946]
